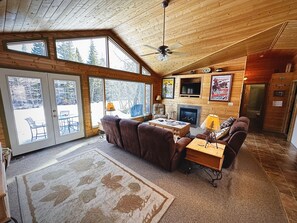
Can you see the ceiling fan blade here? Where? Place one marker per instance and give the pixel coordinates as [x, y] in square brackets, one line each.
[149, 54]
[179, 53]
[154, 48]
[176, 46]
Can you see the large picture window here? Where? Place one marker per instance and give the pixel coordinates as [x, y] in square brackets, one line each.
[147, 98]
[127, 97]
[96, 86]
[36, 47]
[90, 51]
[130, 99]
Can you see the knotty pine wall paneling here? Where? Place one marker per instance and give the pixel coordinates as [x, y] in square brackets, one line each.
[260, 69]
[295, 64]
[276, 106]
[21, 61]
[223, 109]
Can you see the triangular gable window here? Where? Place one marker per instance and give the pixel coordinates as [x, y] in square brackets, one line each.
[120, 60]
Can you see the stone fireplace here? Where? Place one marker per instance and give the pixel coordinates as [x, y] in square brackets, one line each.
[189, 113]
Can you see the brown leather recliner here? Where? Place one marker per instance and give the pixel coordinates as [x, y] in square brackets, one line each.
[159, 111]
[129, 133]
[111, 127]
[234, 140]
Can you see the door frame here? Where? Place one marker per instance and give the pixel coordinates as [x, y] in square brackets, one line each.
[292, 106]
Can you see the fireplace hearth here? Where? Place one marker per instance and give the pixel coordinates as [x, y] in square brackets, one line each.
[189, 113]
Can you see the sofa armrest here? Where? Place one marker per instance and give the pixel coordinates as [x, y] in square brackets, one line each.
[182, 143]
[201, 136]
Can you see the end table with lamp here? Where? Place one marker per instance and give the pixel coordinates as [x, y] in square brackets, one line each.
[209, 158]
[208, 154]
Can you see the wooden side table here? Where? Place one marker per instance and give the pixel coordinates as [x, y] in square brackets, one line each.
[210, 158]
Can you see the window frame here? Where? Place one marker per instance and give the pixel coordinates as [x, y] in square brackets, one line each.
[43, 39]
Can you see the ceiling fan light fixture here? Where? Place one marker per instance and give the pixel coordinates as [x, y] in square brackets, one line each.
[162, 57]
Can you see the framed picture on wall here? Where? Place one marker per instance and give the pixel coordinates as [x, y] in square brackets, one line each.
[278, 93]
[168, 88]
[220, 87]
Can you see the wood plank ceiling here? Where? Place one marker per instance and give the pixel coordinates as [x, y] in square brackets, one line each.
[208, 31]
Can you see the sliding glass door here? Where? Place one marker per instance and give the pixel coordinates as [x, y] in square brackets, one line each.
[34, 106]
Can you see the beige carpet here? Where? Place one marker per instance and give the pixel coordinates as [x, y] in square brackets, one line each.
[243, 195]
[90, 187]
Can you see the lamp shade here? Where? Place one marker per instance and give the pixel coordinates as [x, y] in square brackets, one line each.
[158, 98]
[211, 123]
[110, 107]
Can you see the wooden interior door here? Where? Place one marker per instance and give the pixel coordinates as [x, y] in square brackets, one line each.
[245, 100]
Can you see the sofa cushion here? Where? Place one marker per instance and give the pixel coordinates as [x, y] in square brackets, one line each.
[228, 122]
[156, 145]
[129, 133]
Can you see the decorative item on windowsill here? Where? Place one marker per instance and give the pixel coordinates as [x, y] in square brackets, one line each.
[110, 107]
[211, 124]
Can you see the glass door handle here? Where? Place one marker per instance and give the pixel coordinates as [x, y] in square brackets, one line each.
[54, 113]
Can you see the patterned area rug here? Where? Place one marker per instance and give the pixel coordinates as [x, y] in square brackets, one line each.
[90, 187]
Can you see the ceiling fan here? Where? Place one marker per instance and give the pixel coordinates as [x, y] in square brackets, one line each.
[163, 51]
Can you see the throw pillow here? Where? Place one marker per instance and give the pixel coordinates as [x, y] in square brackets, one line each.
[228, 122]
[223, 132]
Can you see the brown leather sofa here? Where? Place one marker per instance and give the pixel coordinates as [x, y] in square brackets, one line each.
[151, 143]
[233, 140]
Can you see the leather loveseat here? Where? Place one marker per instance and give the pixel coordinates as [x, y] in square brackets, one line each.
[151, 143]
[233, 139]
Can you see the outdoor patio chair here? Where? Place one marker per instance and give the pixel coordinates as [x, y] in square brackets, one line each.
[68, 123]
[37, 129]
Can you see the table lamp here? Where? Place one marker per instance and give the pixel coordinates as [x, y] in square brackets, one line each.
[158, 98]
[211, 124]
[110, 107]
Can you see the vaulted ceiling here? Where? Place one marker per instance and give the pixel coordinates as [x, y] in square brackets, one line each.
[206, 31]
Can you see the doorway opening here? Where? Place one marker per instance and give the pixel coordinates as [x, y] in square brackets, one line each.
[252, 105]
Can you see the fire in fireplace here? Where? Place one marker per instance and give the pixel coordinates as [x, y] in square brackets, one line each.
[189, 113]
